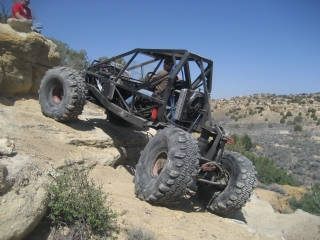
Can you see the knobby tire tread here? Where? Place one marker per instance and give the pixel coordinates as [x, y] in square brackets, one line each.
[175, 179]
[74, 89]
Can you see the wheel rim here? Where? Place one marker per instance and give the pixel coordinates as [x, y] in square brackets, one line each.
[159, 163]
[57, 93]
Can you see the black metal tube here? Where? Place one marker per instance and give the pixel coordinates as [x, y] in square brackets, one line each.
[209, 182]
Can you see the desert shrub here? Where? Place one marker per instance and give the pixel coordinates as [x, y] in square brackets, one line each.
[281, 113]
[77, 203]
[282, 120]
[297, 128]
[251, 112]
[318, 123]
[266, 119]
[289, 114]
[268, 173]
[246, 141]
[289, 123]
[260, 111]
[300, 114]
[251, 126]
[298, 119]
[236, 118]
[310, 202]
[270, 125]
[315, 118]
[227, 114]
[139, 234]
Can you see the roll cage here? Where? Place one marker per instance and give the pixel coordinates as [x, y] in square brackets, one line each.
[111, 84]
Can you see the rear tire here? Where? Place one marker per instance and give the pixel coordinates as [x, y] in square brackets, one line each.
[239, 175]
[62, 94]
[163, 173]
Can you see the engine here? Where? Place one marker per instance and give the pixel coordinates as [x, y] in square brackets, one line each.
[190, 104]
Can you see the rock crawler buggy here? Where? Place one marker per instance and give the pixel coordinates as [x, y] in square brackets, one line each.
[173, 161]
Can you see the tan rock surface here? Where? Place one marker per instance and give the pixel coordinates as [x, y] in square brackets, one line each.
[24, 59]
[48, 142]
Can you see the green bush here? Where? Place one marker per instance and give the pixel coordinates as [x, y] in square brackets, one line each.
[289, 123]
[268, 173]
[298, 119]
[266, 119]
[289, 114]
[282, 120]
[297, 128]
[315, 118]
[318, 123]
[246, 141]
[310, 202]
[281, 113]
[76, 202]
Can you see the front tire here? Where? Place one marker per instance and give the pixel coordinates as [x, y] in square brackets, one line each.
[239, 175]
[62, 94]
[163, 173]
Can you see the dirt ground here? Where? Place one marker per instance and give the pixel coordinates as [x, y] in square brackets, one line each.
[92, 141]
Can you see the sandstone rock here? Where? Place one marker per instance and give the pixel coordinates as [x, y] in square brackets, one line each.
[24, 59]
[18, 25]
[276, 108]
[6, 146]
[258, 148]
[23, 206]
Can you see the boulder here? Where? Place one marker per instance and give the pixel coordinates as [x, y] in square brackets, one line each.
[23, 200]
[6, 146]
[24, 60]
[18, 25]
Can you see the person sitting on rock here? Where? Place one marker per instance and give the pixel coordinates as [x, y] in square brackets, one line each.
[21, 11]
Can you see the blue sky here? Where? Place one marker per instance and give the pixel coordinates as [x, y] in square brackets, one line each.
[257, 46]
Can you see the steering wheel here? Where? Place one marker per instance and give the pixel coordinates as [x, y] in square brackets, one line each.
[149, 75]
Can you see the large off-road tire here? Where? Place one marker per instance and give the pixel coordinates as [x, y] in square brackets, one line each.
[163, 173]
[239, 175]
[62, 94]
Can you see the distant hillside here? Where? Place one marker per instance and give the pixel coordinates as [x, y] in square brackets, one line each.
[286, 127]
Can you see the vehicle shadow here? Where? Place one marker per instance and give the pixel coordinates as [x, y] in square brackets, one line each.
[190, 203]
[129, 141]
